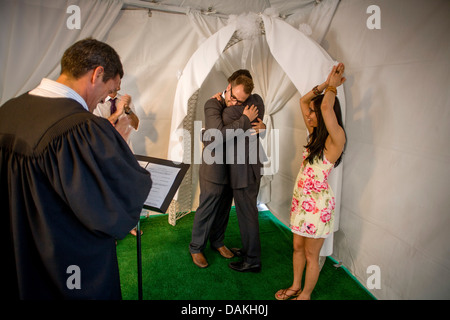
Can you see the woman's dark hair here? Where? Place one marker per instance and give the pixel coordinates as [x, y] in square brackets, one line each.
[316, 141]
[88, 54]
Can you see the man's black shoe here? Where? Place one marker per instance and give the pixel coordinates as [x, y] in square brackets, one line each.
[243, 266]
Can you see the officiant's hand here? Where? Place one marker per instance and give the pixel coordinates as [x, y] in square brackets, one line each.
[251, 112]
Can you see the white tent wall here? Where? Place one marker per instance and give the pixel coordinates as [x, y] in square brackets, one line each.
[34, 35]
[395, 204]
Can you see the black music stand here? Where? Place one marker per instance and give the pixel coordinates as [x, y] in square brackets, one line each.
[168, 175]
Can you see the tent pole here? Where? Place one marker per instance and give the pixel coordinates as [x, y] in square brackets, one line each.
[171, 9]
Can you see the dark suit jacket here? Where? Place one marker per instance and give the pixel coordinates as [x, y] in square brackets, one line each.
[244, 151]
[213, 166]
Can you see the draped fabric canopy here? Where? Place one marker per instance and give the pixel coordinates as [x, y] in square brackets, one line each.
[304, 65]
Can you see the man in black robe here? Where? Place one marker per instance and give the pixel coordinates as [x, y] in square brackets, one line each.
[69, 183]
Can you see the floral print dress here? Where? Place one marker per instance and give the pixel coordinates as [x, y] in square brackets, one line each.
[313, 203]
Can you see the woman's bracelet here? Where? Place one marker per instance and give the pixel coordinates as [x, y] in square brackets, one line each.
[332, 89]
[316, 91]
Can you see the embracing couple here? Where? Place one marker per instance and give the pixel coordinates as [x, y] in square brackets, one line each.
[238, 176]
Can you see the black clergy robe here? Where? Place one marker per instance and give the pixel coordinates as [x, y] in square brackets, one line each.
[70, 186]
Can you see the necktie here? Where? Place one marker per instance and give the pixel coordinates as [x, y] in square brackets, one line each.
[113, 105]
[114, 108]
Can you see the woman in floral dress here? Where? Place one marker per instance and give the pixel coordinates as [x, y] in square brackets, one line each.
[312, 209]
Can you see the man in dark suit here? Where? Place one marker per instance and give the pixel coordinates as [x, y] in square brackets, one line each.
[244, 168]
[244, 157]
[211, 217]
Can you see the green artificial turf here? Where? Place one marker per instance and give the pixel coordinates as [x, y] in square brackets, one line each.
[169, 274]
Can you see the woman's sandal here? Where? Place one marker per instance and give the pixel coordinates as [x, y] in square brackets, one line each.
[282, 294]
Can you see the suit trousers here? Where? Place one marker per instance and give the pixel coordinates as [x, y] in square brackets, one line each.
[245, 201]
[211, 217]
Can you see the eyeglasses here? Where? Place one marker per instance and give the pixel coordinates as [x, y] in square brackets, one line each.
[232, 97]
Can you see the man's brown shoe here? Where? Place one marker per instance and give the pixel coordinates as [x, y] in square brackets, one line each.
[199, 260]
[225, 252]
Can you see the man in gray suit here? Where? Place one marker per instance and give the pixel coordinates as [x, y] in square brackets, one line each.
[211, 217]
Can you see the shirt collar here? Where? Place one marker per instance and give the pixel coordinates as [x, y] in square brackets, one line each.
[52, 89]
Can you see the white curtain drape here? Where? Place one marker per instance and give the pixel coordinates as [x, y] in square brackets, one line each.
[191, 79]
[308, 64]
[34, 35]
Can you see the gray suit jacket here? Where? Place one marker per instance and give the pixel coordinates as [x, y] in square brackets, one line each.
[244, 152]
[213, 166]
